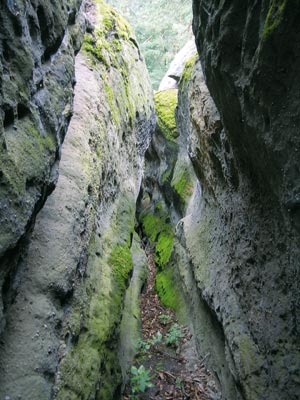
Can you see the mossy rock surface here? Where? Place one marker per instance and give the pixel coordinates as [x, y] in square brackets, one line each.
[35, 108]
[187, 71]
[182, 183]
[130, 328]
[104, 44]
[165, 105]
[111, 52]
[96, 312]
[161, 234]
[79, 263]
[166, 289]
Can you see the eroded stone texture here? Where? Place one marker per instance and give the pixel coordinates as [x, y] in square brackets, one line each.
[250, 55]
[62, 333]
[173, 75]
[243, 233]
[38, 40]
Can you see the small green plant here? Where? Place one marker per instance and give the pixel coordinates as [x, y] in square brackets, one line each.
[140, 380]
[174, 335]
[143, 345]
[179, 383]
[156, 338]
[165, 319]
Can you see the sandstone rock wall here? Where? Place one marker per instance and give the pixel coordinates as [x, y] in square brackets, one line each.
[219, 200]
[38, 41]
[232, 251]
[63, 326]
[243, 235]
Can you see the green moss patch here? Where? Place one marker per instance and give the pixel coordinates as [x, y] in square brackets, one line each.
[121, 262]
[111, 98]
[166, 289]
[183, 185]
[164, 247]
[161, 234]
[93, 323]
[187, 71]
[165, 105]
[26, 158]
[152, 225]
[167, 176]
[104, 44]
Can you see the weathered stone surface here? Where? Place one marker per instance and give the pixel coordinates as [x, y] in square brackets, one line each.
[130, 327]
[38, 40]
[242, 236]
[172, 76]
[232, 237]
[62, 333]
[250, 56]
[199, 121]
[234, 252]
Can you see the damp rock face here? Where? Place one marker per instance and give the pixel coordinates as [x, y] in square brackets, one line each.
[62, 336]
[242, 235]
[38, 41]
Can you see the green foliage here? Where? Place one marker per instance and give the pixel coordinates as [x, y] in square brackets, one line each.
[179, 383]
[165, 319]
[140, 379]
[274, 17]
[174, 335]
[162, 28]
[155, 339]
[165, 105]
[143, 345]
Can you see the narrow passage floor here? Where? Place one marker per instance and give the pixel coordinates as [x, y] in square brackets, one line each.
[166, 366]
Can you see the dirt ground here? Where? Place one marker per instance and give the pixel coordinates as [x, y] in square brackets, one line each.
[168, 354]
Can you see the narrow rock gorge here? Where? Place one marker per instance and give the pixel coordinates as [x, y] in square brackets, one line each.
[94, 166]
